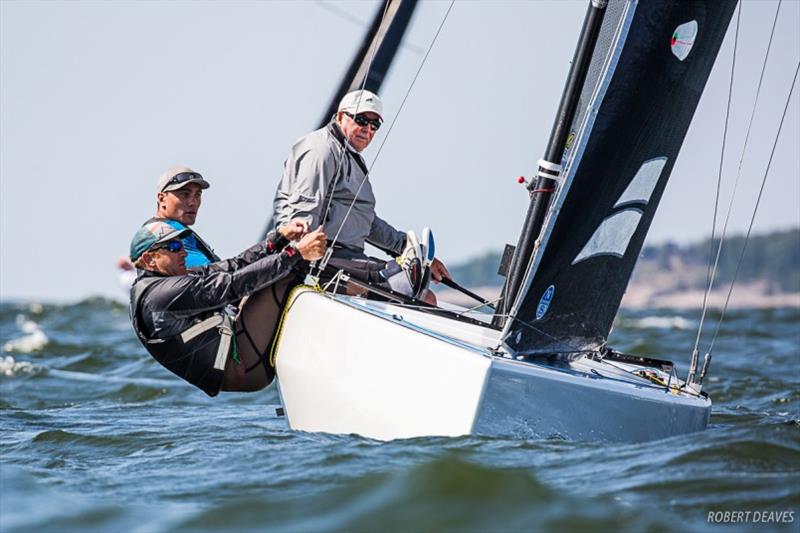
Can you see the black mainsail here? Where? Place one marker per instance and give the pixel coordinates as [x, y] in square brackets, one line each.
[373, 59]
[647, 74]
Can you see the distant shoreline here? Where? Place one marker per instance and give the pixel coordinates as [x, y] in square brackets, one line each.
[646, 296]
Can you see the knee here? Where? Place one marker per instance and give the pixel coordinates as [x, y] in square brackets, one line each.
[255, 380]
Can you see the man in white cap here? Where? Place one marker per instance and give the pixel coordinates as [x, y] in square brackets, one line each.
[325, 181]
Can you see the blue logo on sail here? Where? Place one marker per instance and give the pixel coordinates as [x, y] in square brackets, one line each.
[544, 303]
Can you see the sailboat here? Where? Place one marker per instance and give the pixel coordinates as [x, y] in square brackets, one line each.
[539, 366]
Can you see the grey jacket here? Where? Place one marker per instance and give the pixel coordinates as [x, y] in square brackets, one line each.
[308, 175]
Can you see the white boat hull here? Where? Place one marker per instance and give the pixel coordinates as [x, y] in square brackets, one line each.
[347, 365]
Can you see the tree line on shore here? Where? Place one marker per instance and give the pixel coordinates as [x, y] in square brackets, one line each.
[773, 258]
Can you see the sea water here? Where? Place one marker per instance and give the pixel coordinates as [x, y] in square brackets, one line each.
[96, 436]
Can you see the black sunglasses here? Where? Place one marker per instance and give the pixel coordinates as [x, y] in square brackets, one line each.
[171, 246]
[362, 120]
[182, 178]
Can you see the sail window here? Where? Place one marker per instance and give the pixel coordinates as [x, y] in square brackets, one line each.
[612, 236]
[643, 183]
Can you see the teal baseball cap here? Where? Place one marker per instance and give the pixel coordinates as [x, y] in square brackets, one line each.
[153, 233]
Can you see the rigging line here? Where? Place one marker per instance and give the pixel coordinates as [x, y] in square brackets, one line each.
[749, 126]
[342, 13]
[476, 307]
[755, 210]
[346, 15]
[710, 273]
[537, 330]
[758, 90]
[373, 49]
[709, 269]
[389, 131]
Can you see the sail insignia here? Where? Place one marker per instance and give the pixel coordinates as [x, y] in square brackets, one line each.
[683, 39]
[615, 232]
[643, 183]
[544, 302]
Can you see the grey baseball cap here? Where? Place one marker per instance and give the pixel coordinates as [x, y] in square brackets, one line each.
[176, 177]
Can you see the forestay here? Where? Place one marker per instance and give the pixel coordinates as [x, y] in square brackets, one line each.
[648, 72]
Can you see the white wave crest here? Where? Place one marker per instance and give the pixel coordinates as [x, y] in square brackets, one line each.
[662, 322]
[10, 367]
[34, 338]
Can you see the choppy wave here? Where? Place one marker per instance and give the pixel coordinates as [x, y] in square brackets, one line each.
[10, 367]
[111, 441]
[661, 322]
[33, 339]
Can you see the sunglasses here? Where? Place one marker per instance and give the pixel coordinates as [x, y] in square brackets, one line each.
[362, 120]
[171, 246]
[183, 177]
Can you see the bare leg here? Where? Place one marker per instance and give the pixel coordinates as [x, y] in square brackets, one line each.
[256, 323]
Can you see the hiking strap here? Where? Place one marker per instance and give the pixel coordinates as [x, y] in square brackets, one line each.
[224, 324]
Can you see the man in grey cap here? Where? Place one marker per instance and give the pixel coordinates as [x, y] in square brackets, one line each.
[178, 197]
[325, 181]
[179, 193]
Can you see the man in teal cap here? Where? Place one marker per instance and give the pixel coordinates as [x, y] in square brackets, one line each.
[184, 318]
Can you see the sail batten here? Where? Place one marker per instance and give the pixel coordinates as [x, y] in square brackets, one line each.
[634, 114]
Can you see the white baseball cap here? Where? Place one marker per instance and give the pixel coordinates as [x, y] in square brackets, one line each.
[361, 101]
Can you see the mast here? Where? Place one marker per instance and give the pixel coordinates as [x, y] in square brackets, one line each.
[384, 37]
[541, 189]
[372, 61]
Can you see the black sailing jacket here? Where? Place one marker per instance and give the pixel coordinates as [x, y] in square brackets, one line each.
[164, 308]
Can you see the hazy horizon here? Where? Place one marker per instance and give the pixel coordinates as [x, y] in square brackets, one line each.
[98, 98]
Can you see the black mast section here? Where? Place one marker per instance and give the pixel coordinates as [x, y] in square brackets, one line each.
[541, 189]
[384, 37]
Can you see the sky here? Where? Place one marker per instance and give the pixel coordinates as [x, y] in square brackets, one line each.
[97, 99]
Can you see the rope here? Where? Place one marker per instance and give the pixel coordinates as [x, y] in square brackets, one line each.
[476, 307]
[326, 211]
[755, 209]
[712, 270]
[293, 297]
[722, 152]
[752, 116]
[358, 22]
[386, 137]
